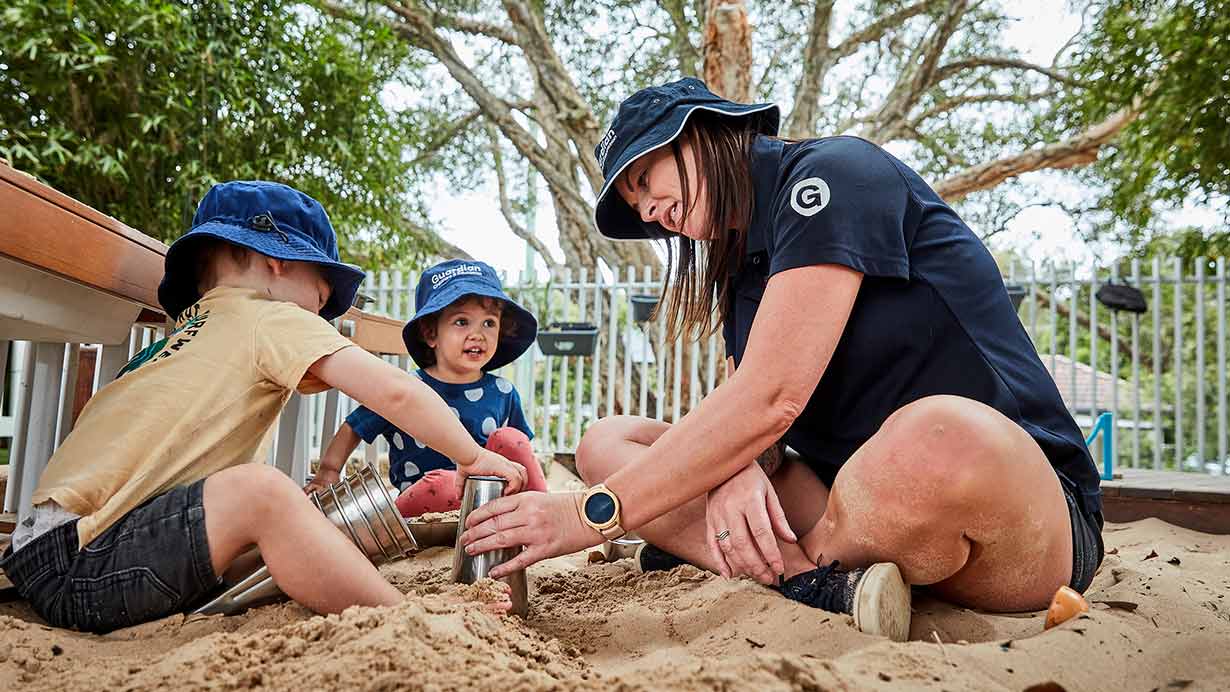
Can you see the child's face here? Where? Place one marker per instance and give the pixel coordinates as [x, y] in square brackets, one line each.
[301, 283]
[467, 335]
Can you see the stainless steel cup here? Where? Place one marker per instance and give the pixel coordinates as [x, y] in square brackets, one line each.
[468, 569]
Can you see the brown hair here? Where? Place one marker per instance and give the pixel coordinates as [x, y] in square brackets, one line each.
[206, 252]
[427, 325]
[722, 149]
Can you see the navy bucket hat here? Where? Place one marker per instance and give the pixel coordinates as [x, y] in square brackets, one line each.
[270, 218]
[649, 119]
[448, 282]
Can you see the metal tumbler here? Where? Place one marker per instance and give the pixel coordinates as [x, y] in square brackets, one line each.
[468, 569]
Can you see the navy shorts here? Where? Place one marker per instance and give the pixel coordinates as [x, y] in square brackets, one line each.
[151, 563]
[1087, 547]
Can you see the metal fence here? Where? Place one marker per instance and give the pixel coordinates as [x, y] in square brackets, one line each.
[1162, 373]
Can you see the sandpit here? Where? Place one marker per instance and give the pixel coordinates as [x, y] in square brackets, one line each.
[1159, 622]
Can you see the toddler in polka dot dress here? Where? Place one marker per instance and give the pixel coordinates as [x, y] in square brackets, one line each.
[464, 326]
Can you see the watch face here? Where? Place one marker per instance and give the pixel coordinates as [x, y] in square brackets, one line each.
[600, 508]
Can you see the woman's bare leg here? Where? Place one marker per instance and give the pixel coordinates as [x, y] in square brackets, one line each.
[961, 499]
[956, 494]
[619, 440]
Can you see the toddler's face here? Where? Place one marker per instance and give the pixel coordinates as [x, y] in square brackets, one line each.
[467, 335]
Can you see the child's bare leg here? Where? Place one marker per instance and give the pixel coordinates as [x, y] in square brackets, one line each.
[514, 445]
[313, 562]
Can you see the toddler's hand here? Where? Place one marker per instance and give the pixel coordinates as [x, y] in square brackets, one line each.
[489, 463]
[323, 479]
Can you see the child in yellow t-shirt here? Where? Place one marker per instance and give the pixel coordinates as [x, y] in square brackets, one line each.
[154, 493]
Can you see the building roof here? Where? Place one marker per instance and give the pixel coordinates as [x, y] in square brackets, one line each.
[1081, 398]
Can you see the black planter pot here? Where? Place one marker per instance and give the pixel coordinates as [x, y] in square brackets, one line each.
[643, 307]
[1016, 293]
[568, 339]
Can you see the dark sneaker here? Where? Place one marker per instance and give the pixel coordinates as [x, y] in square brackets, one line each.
[876, 596]
[651, 558]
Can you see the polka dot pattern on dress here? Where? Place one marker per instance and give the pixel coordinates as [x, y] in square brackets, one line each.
[488, 425]
[503, 385]
[474, 394]
[398, 442]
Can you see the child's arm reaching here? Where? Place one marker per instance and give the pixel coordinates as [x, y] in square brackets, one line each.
[407, 403]
[334, 458]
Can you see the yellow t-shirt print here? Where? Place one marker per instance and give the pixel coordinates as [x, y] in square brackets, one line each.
[193, 321]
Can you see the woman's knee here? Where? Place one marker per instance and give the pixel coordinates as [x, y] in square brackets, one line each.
[595, 462]
[952, 442]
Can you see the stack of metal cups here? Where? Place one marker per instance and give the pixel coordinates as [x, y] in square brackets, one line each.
[468, 569]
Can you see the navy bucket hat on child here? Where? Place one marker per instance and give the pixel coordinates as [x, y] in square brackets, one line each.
[270, 218]
[649, 119]
[445, 283]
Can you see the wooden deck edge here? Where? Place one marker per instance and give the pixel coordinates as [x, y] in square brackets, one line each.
[1207, 517]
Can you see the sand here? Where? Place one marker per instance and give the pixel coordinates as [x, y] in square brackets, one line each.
[1160, 620]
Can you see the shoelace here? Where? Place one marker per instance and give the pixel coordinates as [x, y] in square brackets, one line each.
[816, 589]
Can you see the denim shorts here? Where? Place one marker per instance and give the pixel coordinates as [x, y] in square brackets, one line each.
[151, 563]
[1087, 547]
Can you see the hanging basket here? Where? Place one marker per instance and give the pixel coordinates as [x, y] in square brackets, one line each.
[1122, 297]
[568, 339]
[1016, 293]
[643, 307]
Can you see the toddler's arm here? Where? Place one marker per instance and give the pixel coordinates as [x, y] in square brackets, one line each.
[334, 458]
[407, 403]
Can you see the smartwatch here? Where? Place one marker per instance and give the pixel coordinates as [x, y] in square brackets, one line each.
[600, 509]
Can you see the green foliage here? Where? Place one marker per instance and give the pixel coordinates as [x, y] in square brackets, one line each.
[1174, 55]
[136, 108]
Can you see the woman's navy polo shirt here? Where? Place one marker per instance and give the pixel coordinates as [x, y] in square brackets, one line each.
[931, 317]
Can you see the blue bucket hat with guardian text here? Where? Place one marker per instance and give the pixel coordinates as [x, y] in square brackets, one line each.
[653, 118]
[446, 283]
[270, 218]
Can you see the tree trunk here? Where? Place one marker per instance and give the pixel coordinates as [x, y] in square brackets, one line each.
[728, 50]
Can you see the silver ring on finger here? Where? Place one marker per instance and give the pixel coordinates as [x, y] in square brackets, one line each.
[723, 535]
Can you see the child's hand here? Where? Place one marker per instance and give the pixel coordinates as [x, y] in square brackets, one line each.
[323, 479]
[489, 463]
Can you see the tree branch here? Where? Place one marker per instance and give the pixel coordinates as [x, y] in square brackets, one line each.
[914, 83]
[956, 102]
[876, 30]
[506, 206]
[685, 51]
[953, 68]
[817, 59]
[445, 137]
[473, 26]
[1080, 150]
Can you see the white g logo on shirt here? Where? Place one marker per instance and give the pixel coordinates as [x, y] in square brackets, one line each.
[809, 196]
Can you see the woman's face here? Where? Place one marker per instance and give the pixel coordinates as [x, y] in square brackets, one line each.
[652, 187]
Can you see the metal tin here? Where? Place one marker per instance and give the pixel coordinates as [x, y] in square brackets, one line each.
[468, 569]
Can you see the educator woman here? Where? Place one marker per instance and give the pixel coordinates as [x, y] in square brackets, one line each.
[867, 328]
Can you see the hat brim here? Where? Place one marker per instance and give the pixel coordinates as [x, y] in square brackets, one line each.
[613, 217]
[510, 347]
[178, 291]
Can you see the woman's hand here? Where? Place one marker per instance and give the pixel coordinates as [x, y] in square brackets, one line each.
[488, 463]
[547, 524]
[324, 478]
[746, 505]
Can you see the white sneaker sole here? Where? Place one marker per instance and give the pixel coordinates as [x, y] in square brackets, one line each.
[882, 603]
